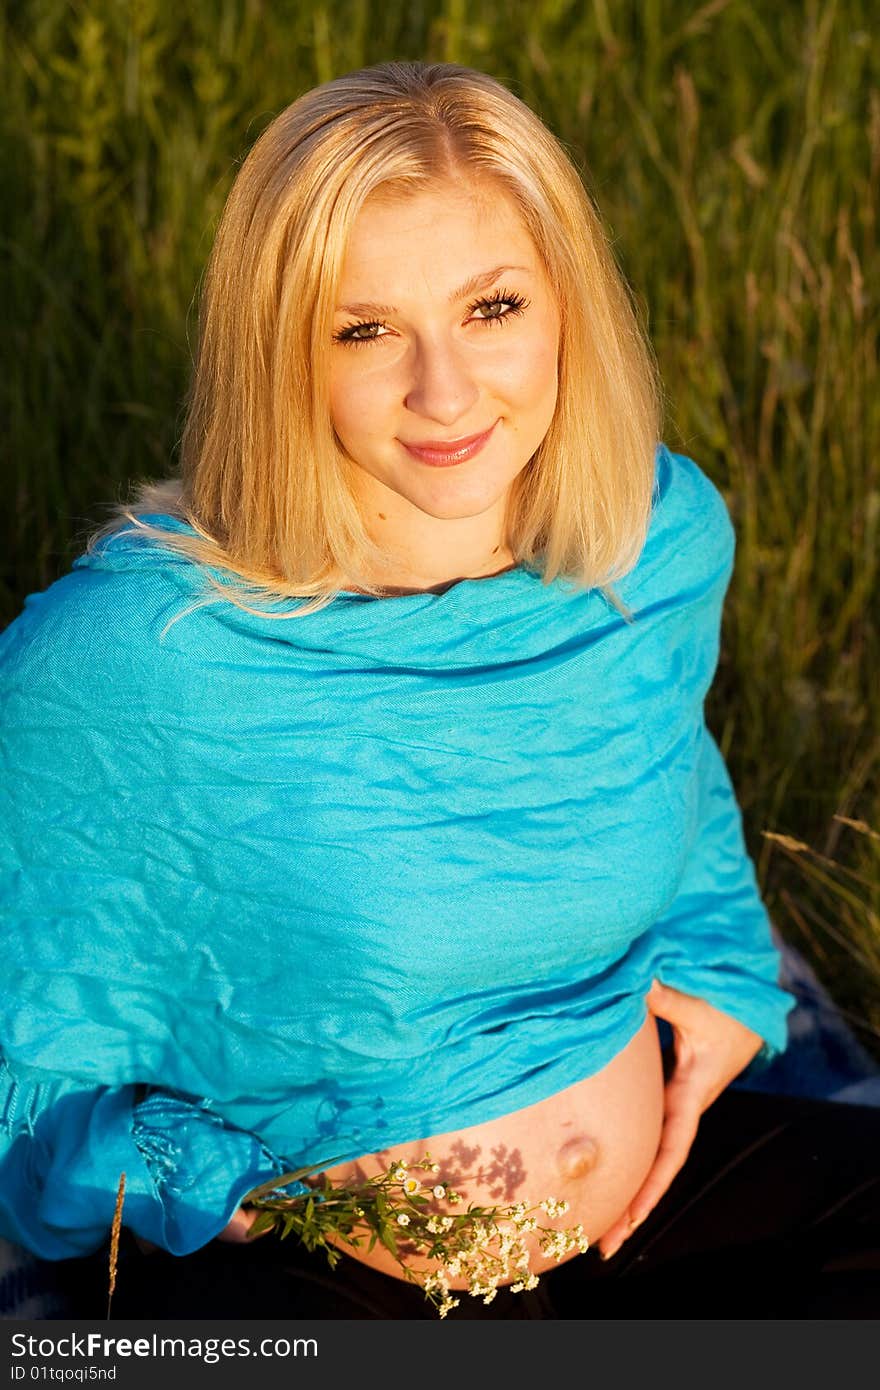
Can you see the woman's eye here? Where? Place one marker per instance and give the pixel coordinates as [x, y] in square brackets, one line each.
[358, 333]
[499, 306]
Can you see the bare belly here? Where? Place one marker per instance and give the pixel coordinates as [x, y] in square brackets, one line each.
[591, 1145]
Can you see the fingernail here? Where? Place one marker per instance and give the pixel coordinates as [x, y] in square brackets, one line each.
[636, 1221]
[607, 1254]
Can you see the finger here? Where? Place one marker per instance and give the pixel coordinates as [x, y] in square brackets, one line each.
[678, 1135]
[671, 1004]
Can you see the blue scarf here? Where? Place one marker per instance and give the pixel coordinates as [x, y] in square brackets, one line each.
[285, 892]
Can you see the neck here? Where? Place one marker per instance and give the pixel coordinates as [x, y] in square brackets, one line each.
[426, 553]
[402, 580]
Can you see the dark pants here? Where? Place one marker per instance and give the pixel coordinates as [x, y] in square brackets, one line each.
[776, 1214]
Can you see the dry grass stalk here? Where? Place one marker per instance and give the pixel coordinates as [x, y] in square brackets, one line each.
[115, 1230]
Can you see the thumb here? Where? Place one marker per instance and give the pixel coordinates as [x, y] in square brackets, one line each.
[665, 1002]
[656, 993]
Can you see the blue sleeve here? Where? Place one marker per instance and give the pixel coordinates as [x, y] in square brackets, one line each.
[713, 937]
[714, 940]
[89, 1018]
[63, 1147]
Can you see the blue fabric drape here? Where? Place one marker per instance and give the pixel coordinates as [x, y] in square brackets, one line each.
[332, 883]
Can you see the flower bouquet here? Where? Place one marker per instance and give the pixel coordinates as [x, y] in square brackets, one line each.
[485, 1245]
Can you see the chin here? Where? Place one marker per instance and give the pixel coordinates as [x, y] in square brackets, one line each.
[458, 496]
[457, 511]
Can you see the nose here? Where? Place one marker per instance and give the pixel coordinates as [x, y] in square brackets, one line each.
[441, 387]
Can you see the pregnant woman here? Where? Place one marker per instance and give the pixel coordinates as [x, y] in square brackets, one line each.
[360, 799]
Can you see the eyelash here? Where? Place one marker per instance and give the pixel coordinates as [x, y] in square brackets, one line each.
[517, 302]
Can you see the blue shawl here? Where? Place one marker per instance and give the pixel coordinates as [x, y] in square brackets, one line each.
[282, 892]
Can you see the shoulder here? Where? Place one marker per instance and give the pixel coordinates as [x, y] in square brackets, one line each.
[691, 542]
[99, 625]
[689, 505]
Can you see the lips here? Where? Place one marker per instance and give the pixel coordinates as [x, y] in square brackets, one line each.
[442, 454]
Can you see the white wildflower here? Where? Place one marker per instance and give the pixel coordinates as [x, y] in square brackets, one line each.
[411, 1186]
[439, 1190]
[554, 1208]
[403, 1219]
[399, 1174]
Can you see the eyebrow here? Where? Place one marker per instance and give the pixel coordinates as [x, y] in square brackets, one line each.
[482, 281]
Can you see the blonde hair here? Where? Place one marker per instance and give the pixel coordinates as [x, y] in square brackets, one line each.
[263, 480]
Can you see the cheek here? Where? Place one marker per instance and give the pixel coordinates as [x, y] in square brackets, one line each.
[355, 403]
[528, 377]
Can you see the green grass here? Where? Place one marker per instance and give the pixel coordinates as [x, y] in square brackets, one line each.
[734, 151]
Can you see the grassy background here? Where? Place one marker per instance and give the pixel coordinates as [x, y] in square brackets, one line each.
[733, 148]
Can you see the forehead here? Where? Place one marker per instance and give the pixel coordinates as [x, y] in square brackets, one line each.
[445, 228]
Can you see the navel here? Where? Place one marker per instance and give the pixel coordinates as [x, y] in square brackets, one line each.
[577, 1157]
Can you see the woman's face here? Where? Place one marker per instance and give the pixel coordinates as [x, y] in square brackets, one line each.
[446, 328]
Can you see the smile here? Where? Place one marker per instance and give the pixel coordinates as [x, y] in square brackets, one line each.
[441, 455]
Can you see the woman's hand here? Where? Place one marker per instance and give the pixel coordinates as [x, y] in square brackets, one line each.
[711, 1048]
[237, 1231]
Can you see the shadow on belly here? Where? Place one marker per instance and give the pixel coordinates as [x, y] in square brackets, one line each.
[590, 1146]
